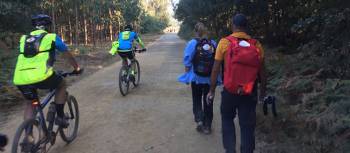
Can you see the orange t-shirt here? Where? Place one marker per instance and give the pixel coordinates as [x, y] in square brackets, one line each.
[224, 44]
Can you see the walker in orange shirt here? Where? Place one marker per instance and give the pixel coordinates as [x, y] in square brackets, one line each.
[240, 53]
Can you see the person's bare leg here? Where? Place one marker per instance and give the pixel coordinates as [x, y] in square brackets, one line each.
[125, 62]
[28, 114]
[60, 98]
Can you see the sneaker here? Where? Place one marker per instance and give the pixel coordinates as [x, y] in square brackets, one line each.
[62, 122]
[207, 130]
[199, 127]
[27, 144]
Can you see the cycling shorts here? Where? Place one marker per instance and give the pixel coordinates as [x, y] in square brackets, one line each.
[130, 55]
[30, 91]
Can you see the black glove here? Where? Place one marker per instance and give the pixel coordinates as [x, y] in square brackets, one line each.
[3, 141]
[144, 49]
[77, 72]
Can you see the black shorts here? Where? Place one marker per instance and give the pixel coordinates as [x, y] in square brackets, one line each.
[130, 55]
[30, 91]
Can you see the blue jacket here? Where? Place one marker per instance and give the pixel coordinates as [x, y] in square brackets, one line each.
[191, 76]
[126, 39]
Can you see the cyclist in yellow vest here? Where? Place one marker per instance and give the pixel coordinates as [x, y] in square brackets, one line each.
[125, 43]
[34, 66]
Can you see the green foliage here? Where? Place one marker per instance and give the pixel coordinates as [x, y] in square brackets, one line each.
[155, 17]
[67, 13]
[316, 109]
[214, 13]
[131, 10]
[8, 61]
[76, 21]
[152, 24]
[16, 14]
[186, 30]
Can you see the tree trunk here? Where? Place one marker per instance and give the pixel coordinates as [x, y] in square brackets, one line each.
[85, 30]
[93, 32]
[118, 24]
[62, 33]
[100, 31]
[53, 16]
[76, 23]
[110, 25]
[70, 31]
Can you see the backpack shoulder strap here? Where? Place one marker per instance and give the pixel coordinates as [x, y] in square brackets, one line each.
[232, 39]
[255, 42]
[38, 43]
[43, 35]
[252, 41]
[233, 42]
[198, 41]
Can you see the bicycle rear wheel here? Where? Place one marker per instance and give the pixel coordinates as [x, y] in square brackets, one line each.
[124, 80]
[72, 114]
[28, 138]
[136, 67]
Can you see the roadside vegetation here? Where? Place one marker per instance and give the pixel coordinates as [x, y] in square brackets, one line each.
[308, 57]
[87, 26]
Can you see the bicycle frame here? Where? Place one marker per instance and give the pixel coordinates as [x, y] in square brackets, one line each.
[46, 131]
[38, 109]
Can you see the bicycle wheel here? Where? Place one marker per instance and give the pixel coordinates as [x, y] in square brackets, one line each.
[124, 80]
[72, 114]
[136, 68]
[24, 142]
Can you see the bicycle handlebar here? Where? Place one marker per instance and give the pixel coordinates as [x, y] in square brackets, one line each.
[139, 50]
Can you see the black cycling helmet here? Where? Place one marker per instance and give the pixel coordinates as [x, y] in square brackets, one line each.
[128, 28]
[41, 20]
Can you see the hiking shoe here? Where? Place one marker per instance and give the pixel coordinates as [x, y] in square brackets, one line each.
[199, 127]
[207, 130]
[62, 122]
[27, 144]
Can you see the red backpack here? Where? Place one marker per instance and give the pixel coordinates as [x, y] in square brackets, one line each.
[242, 65]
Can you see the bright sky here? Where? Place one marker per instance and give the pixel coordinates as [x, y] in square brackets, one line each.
[171, 11]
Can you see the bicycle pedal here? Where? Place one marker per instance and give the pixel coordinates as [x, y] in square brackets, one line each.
[27, 145]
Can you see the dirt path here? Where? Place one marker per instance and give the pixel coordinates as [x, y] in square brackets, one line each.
[156, 117]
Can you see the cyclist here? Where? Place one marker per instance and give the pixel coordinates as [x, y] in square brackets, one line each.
[34, 68]
[125, 44]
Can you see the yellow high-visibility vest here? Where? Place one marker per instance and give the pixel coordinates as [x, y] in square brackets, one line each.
[30, 70]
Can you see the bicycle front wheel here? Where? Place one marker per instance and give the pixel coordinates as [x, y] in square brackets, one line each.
[28, 138]
[72, 114]
[124, 80]
[137, 72]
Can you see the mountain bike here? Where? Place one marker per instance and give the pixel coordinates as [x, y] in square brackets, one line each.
[129, 72]
[42, 133]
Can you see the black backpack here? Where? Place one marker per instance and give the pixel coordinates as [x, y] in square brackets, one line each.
[32, 44]
[203, 59]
